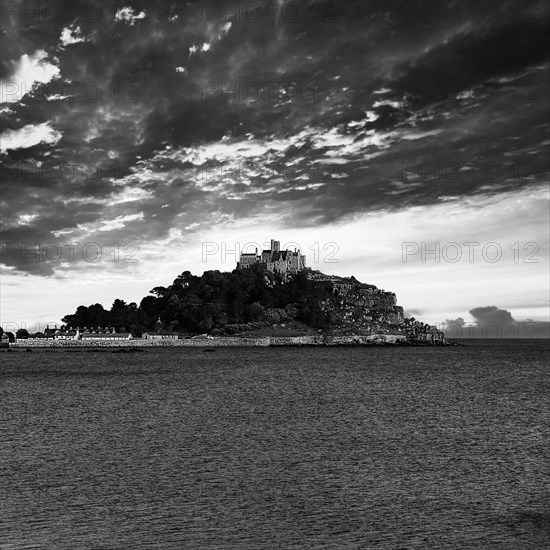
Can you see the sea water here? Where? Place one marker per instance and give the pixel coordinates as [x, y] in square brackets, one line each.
[365, 447]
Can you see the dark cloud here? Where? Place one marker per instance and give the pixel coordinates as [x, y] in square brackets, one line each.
[492, 315]
[458, 322]
[494, 322]
[370, 106]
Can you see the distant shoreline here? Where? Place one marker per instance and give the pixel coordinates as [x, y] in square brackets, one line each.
[233, 341]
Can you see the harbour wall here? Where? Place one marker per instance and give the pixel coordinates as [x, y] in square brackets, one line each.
[225, 341]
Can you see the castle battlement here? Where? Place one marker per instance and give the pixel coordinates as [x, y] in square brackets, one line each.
[274, 259]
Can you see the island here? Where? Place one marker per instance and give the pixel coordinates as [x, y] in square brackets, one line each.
[270, 299]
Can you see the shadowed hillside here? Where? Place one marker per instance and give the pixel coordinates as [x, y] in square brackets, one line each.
[255, 300]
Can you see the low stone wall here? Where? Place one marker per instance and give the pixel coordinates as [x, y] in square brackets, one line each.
[224, 341]
[320, 340]
[228, 341]
[365, 340]
[295, 340]
[221, 341]
[79, 344]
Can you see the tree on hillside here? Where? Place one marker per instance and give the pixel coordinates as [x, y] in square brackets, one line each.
[216, 299]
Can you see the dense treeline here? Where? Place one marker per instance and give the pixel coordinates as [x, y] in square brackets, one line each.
[121, 316]
[217, 302]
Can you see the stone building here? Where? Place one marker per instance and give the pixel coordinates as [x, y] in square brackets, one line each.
[67, 334]
[105, 334]
[274, 259]
[159, 335]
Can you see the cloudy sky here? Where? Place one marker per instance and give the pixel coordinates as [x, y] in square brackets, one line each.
[405, 143]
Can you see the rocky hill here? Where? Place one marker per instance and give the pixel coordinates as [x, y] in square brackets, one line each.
[253, 300]
[364, 309]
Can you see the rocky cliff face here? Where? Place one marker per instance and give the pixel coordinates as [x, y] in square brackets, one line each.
[363, 309]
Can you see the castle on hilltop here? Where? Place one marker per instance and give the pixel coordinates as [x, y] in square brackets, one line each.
[274, 259]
